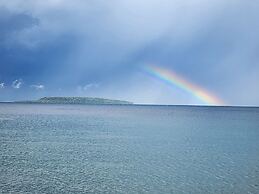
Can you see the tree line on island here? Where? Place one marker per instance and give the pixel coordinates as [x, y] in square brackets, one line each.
[74, 100]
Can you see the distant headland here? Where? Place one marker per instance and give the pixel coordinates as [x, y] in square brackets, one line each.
[75, 100]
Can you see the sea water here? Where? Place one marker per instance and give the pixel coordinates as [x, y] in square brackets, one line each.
[128, 149]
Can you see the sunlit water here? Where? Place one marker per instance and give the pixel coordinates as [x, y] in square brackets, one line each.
[128, 149]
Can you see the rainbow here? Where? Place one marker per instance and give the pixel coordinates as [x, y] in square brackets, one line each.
[175, 79]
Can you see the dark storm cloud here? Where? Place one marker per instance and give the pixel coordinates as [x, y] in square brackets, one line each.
[18, 60]
[67, 45]
[10, 23]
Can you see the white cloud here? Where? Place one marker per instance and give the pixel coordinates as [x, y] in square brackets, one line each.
[17, 84]
[38, 87]
[88, 87]
[2, 85]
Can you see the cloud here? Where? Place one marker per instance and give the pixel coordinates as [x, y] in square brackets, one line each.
[2, 85]
[213, 43]
[88, 87]
[13, 24]
[17, 84]
[38, 87]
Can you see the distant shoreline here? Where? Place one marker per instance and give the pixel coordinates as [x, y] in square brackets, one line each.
[74, 100]
[132, 104]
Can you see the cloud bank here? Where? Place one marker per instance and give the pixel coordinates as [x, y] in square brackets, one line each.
[65, 44]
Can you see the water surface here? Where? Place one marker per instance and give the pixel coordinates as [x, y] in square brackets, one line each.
[128, 149]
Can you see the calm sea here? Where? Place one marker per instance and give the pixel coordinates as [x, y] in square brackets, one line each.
[128, 149]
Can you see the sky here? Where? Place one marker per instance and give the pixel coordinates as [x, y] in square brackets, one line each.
[101, 48]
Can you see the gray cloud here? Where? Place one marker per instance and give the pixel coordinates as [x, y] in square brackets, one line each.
[213, 43]
[13, 24]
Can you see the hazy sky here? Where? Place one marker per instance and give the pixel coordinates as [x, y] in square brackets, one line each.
[99, 48]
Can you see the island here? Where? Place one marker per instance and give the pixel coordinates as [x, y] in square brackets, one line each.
[76, 100]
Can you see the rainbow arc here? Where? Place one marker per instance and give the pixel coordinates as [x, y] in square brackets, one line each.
[175, 79]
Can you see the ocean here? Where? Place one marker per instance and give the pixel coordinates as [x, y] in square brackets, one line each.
[128, 149]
